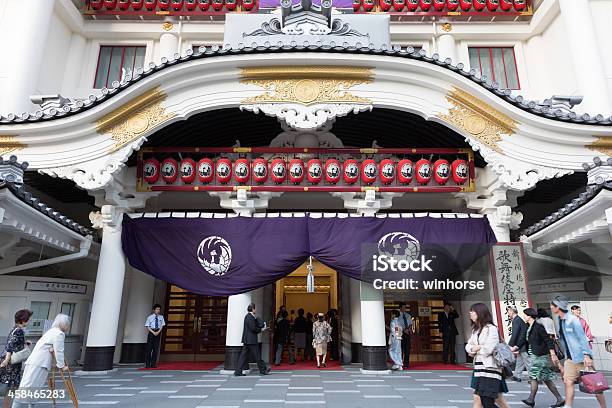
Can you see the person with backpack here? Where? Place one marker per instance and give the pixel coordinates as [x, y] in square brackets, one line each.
[487, 380]
[541, 348]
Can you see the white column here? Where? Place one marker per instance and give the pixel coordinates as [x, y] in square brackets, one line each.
[356, 340]
[24, 27]
[139, 306]
[584, 49]
[108, 292]
[609, 219]
[374, 343]
[236, 310]
[447, 47]
[74, 66]
[168, 41]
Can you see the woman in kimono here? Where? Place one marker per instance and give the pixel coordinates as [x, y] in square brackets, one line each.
[395, 341]
[39, 363]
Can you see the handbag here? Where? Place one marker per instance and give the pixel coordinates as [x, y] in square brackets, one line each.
[558, 350]
[21, 355]
[609, 346]
[593, 382]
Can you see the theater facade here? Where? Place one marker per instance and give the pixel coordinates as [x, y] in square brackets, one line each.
[333, 155]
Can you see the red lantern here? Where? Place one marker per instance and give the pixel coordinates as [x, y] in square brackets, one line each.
[241, 170]
[425, 5]
[368, 171]
[150, 170]
[177, 5]
[520, 5]
[452, 5]
[460, 171]
[206, 170]
[506, 5]
[387, 171]
[385, 5]
[223, 170]
[163, 4]
[441, 171]
[190, 5]
[188, 170]
[230, 5]
[278, 170]
[351, 171]
[96, 4]
[356, 5]
[124, 4]
[423, 171]
[315, 171]
[492, 5]
[398, 5]
[412, 5]
[204, 4]
[137, 4]
[368, 5]
[404, 171]
[110, 4]
[296, 171]
[332, 171]
[480, 5]
[439, 5]
[466, 5]
[260, 170]
[217, 5]
[248, 5]
[169, 170]
[150, 4]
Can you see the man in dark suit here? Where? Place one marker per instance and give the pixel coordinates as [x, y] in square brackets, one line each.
[518, 342]
[250, 346]
[446, 322]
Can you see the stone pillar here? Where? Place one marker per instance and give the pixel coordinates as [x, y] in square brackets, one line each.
[74, 66]
[236, 310]
[139, 306]
[374, 342]
[585, 52]
[24, 28]
[447, 47]
[168, 41]
[355, 298]
[106, 305]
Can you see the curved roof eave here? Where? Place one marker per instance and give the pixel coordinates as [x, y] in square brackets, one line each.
[398, 52]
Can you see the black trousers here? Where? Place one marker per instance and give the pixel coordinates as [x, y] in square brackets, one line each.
[448, 349]
[335, 348]
[152, 350]
[250, 350]
[406, 344]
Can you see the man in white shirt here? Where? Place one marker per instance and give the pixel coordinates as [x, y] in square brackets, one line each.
[154, 324]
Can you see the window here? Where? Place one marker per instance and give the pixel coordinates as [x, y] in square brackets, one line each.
[68, 309]
[116, 61]
[40, 313]
[498, 64]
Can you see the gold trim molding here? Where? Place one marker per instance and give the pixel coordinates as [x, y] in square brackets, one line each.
[306, 85]
[135, 118]
[602, 145]
[478, 118]
[9, 144]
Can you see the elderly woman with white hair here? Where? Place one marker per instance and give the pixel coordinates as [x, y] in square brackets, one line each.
[39, 363]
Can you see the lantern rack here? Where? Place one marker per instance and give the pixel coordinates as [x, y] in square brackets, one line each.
[412, 170]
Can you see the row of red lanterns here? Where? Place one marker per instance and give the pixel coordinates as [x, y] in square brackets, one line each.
[442, 5]
[314, 171]
[174, 5]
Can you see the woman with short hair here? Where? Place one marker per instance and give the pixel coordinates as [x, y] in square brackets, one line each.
[39, 363]
[542, 350]
[10, 374]
[321, 333]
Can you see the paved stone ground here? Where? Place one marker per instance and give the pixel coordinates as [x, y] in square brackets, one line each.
[346, 388]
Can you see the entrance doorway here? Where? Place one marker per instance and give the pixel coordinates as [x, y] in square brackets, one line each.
[196, 327]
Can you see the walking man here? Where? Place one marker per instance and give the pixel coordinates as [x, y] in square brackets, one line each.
[154, 324]
[250, 347]
[405, 321]
[518, 343]
[578, 353]
[577, 311]
[446, 321]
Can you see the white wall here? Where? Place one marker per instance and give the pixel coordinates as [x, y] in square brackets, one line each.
[56, 47]
[601, 10]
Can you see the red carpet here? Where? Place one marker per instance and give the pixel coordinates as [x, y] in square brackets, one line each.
[185, 365]
[433, 366]
[308, 365]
